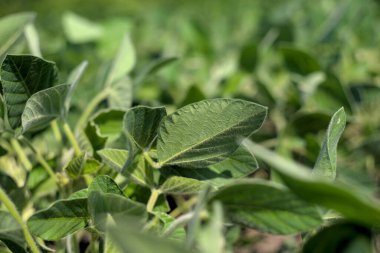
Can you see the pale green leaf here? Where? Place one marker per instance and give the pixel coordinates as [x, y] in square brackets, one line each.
[326, 162]
[100, 205]
[120, 94]
[73, 80]
[33, 40]
[64, 217]
[21, 77]
[44, 106]
[141, 123]
[80, 30]
[11, 29]
[181, 185]
[154, 67]
[348, 200]
[179, 234]
[206, 132]
[268, 207]
[123, 62]
[79, 194]
[82, 165]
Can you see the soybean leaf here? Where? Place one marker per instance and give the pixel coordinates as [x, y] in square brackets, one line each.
[123, 63]
[109, 122]
[43, 107]
[104, 184]
[109, 244]
[32, 39]
[181, 185]
[80, 30]
[205, 132]
[79, 194]
[3, 114]
[268, 207]
[138, 171]
[326, 162]
[82, 165]
[119, 207]
[121, 94]
[153, 67]
[211, 237]
[193, 94]
[11, 233]
[12, 28]
[140, 124]
[73, 80]
[129, 239]
[248, 57]
[299, 61]
[21, 77]
[64, 217]
[90, 139]
[348, 200]
[341, 237]
[179, 234]
[241, 163]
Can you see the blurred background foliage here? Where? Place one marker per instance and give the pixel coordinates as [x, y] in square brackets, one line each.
[302, 59]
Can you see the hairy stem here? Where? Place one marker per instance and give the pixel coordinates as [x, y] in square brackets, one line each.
[13, 211]
[71, 137]
[152, 200]
[21, 154]
[150, 160]
[56, 132]
[91, 107]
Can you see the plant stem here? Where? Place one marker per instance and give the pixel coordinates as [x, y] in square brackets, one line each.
[71, 137]
[21, 154]
[13, 211]
[91, 107]
[150, 160]
[152, 200]
[56, 132]
[41, 160]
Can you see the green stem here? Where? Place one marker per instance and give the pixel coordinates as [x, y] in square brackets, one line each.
[21, 154]
[91, 107]
[152, 200]
[56, 131]
[150, 161]
[71, 137]
[41, 160]
[13, 211]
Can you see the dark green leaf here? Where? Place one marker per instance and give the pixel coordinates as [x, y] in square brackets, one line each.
[248, 57]
[104, 184]
[141, 123]
[10, 231]
[299, 61]
[21, 77]
[206, 132]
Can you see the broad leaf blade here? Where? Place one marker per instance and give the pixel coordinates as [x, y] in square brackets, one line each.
[73, 80]
[10, 231]
[64, 217]
[43, 107]
[326, 162]
[21, 77]
[104, 184]
[121, 94]
[80, 30]
[12, 27]
[268, 207]
[100, 205]
[205, 133]
[345, 199]
[141, 123]
[181, 185]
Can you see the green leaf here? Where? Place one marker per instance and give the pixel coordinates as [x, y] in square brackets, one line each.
[104, 184]
[211, 237]
[80, 30]
[268, 207]
[326, 162]
[82, 165]
[32, 39]
[240, 164]
[121, 94]
[109, 122]
[299, 61]
[154, 67]
[100, 205]
[64, 217]
[141, 123]
[206, 132]
[128, 239]
[79, 194]
[73, 80]
[341, 237]
[138, 171]
[10, 232]
[21, 77]
[178, 234]
[348, 200]
[12, 28]
[123, 63]
[248, 57]
[181, 185]
[43, 107]
[90, 139]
